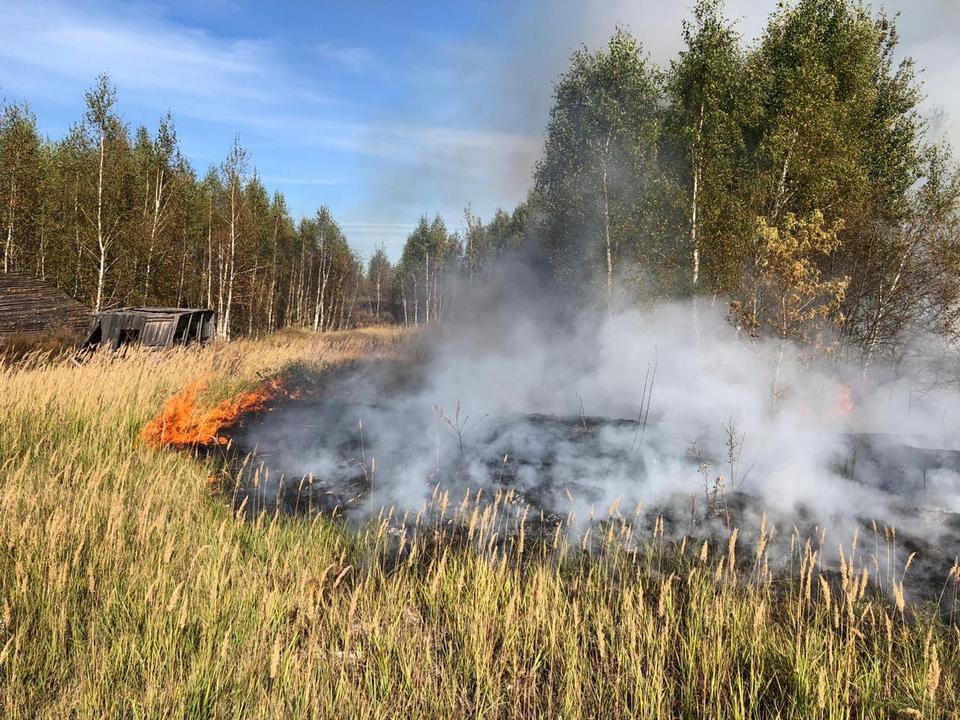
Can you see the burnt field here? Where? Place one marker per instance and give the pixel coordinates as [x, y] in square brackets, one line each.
[363, 443]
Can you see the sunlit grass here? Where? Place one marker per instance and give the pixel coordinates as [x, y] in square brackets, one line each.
[129, 588]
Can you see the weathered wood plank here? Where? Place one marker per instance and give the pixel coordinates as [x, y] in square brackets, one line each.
[29, 306]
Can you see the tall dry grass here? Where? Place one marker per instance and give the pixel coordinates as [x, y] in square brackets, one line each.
[129, 589]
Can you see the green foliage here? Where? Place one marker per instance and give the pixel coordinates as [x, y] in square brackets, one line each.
[591, 187]
[100, 100]
[431, 259]
[908, 271]
[838, 127]
[712, 100]
[380, 281]
[379, 268]
[485, 245]
[818, 117]
[21, 177]
[430, 239]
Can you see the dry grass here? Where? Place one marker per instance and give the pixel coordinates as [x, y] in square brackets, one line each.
[128, 590]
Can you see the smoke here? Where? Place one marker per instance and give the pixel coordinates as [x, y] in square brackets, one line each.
[659, 410]
[583, 413]
[640, 407]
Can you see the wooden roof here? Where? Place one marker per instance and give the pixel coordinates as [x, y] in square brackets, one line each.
[31, 307]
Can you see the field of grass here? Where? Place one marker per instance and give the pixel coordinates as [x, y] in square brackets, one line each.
[129, 588]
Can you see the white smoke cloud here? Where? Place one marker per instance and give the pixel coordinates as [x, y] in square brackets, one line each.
[706, 383]
[634, 410]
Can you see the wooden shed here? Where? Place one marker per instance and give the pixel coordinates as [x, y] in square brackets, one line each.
[152, 327]
[32, 310]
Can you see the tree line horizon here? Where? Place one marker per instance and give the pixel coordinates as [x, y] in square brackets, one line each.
[794, 179]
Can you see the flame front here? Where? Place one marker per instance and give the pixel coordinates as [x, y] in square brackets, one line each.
[182, 424]
[845, 404]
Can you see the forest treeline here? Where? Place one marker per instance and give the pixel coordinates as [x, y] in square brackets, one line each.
[118, 218]
[793, 179]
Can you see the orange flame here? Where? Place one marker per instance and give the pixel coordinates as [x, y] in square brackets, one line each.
[182, 424]
[845, 404]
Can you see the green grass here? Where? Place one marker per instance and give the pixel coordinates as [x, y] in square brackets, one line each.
[128, 588]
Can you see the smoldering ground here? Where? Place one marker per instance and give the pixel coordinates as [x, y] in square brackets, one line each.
[633, 415]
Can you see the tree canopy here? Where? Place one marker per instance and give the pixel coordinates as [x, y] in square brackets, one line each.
[798, 167]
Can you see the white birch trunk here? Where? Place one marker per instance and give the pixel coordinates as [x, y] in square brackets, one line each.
[319, 299]
[426, 288]
[271, 299]
[76, 234]
[336, 310]
[210, 254]
[43, 247]
[606, 225]
[694, 206]
[232, 264]
[8, 246]
[183, 269]
[155, 223]
[416, 301]
[102, 242]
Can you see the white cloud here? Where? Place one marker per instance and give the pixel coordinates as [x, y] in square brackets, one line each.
[310, 181]
[235, 82]
[368, 236]
[356, 59]
[143, 54]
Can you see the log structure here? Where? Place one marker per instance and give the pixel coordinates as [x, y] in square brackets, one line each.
[31, 309]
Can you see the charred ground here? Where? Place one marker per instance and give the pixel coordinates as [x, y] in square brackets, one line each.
[330, 445]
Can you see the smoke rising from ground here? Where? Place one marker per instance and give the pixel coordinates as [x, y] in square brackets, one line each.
[636, 408]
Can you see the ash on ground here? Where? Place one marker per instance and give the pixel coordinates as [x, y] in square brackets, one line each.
[366, 440]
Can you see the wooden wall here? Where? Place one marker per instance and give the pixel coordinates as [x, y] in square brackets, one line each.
[30, 308]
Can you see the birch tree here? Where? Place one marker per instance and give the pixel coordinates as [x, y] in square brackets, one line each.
[599, 160]
[279, 220]
[233, 174]
[430, 257]
[711, 96]
[380, 276]
[105, 126]
[162, 175]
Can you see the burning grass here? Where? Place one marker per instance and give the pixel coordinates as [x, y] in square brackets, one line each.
[182, 423]
[127, 590]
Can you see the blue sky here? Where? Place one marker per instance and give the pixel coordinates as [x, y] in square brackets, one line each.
[381, 110]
